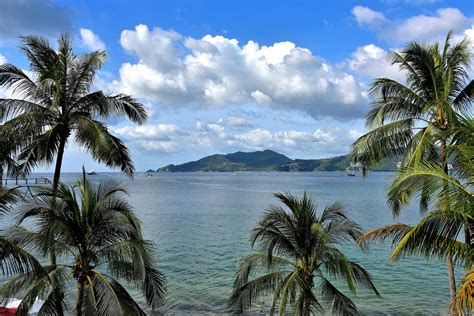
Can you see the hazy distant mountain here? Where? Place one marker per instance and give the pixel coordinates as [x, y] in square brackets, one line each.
[266, 160]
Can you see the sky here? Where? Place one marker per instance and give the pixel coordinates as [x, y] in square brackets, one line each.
[223, 76]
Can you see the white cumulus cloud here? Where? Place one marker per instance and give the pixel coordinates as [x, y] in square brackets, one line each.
[428, 27]
[91, 40]
[215, 71]
[373, 62]
[368, 17]
[422, 27]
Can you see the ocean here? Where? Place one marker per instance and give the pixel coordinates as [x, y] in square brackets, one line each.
[200, 223]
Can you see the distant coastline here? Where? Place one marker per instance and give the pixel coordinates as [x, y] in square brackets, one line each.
[267, 160]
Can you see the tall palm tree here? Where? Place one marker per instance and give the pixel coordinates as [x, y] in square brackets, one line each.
[299, 252]
[437, 234]
[97, 237]
[57, 103]
[411, 120]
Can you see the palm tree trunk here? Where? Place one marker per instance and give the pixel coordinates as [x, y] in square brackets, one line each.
[59, 162]
[452, 284]
[80, 298]
[449, 259]
[57, 174]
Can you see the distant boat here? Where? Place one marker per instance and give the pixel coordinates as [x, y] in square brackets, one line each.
[148, 175]
[91, 172]
[350, 171]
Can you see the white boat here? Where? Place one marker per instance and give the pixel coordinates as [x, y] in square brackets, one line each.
[350, 171]
[91, 172]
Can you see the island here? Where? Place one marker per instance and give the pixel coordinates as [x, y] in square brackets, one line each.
[268, 160]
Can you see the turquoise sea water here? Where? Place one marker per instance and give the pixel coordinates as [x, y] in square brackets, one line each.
[200, 223]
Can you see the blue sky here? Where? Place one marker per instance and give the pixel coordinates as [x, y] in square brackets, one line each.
[222, 76]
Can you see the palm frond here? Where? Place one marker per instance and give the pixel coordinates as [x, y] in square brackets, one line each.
[464, 302]
[341, 304]
[103, 146]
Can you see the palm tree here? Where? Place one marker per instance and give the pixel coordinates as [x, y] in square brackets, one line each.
[412, 120]
[13, 259]
[58, 103]
[296, 249]
[437, 234]
[99, 238]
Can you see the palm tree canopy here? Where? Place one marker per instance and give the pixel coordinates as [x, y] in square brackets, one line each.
[297, 248]
[408, 119]
[57, 102]
[97, 229]
[13, 259]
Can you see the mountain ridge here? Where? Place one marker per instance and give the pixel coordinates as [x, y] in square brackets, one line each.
[267, 160]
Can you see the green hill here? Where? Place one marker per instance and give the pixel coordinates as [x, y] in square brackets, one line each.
[267, 160]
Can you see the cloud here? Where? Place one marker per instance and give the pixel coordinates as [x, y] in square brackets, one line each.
[3, 59]
[239, 122]
[224, 136]
[158, 131]
[164, 138]
[215, 71]
[91, 40]
[373, 62]
[427, 27]
[368, 17]
[421, 27]
[26, 17]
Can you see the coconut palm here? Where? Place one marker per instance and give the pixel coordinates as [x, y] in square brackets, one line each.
[406, 119]
[98, 240]
[57, 103]
[413, 120]
[298, 254]
[437, 234]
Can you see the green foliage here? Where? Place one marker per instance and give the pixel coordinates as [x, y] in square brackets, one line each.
[297, 253]
[57, 103]
[97, 239]
[427, 121]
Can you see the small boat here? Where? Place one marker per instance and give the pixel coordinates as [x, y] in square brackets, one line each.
[350, 171]
[149, 175]
[91, 172]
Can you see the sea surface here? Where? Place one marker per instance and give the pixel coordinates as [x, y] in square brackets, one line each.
[200, 223]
